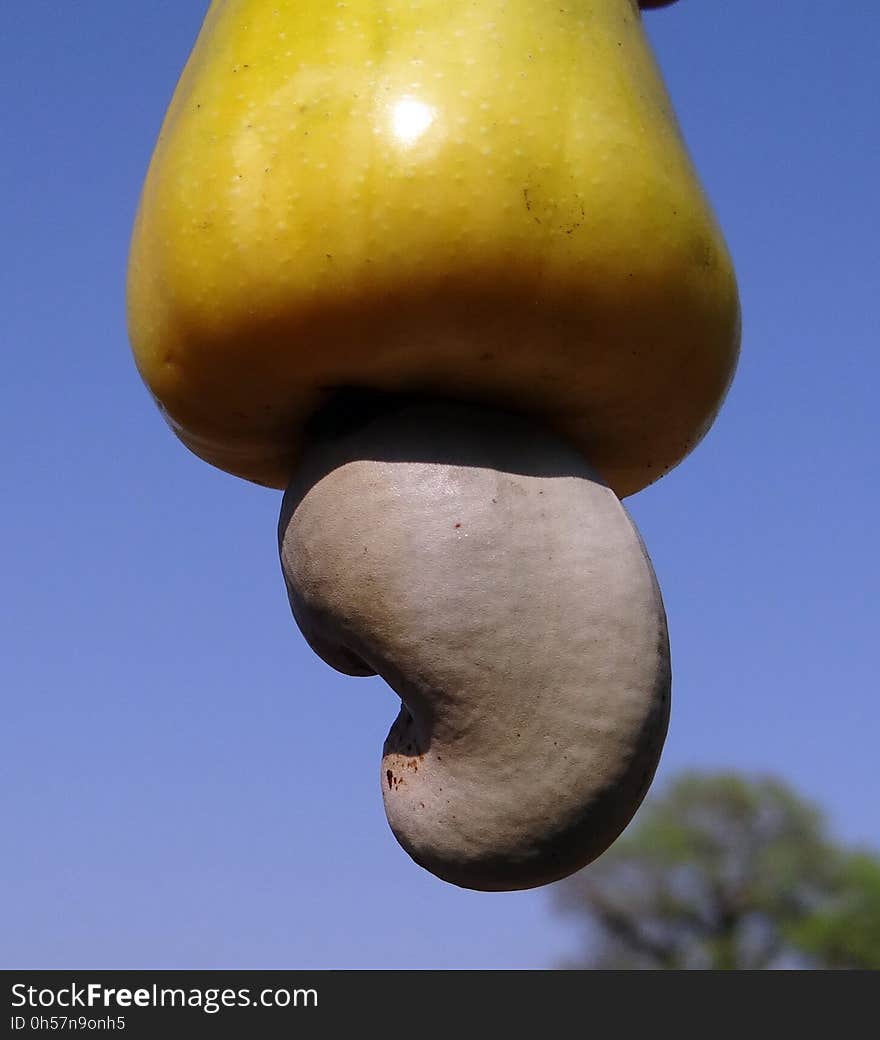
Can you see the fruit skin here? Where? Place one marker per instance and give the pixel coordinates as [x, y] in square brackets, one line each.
[487, 201]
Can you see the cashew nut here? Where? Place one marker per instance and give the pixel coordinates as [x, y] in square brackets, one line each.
[478, 564]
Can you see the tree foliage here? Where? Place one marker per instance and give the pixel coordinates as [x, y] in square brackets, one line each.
[727, 872]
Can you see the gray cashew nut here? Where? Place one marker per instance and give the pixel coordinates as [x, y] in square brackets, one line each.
[478, 564]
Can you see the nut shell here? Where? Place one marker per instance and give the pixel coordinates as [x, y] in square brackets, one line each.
[480, 567]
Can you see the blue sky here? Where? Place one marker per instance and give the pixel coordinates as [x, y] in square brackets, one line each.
[183, 784]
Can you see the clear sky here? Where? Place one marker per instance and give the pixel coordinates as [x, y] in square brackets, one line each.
[184, 785]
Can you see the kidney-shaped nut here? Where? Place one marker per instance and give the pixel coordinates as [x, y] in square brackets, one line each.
[480, 566]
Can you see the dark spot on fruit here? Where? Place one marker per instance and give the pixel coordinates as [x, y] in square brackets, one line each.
[390, 777]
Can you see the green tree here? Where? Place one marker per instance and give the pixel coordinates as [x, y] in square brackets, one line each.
[727, 872]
